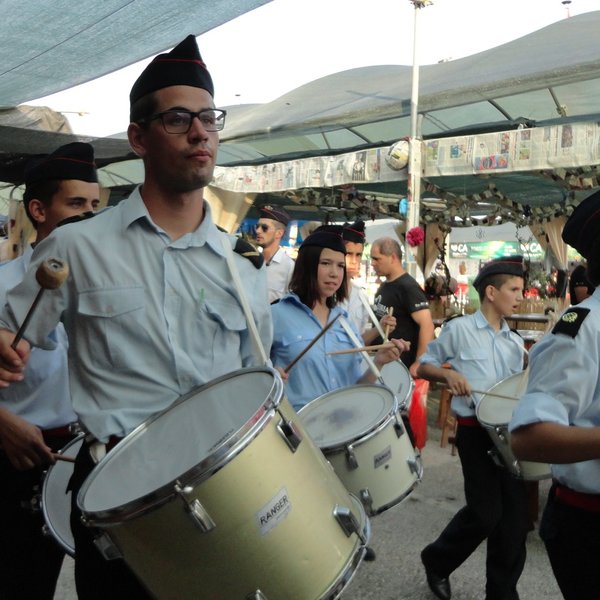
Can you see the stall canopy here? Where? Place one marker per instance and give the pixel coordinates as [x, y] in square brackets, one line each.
[51, 45]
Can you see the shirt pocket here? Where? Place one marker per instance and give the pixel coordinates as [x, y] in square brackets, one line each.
[113, 326]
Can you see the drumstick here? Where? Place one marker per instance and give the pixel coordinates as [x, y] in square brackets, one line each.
[363, 349]
[50, 275]
[312, 343]
[57, 456]
[491, 394]
[387, 327]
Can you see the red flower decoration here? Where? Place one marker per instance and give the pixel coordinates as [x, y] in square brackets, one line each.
[415, 237]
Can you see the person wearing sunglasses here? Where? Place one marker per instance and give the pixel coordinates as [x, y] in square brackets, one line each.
[270, 230]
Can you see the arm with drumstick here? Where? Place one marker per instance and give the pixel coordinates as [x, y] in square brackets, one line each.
[22, 441]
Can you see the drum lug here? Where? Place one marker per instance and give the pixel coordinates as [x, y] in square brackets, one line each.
[495, 458]
[290, 433]
[257, 595]
[365, 498]
[415, 464]
[501, 433]
[106, 547]
[197, 512]
[351, 457]
[347, 521]
[399, 427]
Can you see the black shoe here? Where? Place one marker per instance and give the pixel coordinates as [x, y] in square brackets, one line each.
[440, 586]
[369, 554]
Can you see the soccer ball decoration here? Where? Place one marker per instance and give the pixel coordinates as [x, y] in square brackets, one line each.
[397, 155]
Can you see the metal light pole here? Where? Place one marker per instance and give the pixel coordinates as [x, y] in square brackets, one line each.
[414, 164]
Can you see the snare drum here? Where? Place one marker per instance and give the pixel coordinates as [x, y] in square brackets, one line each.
[397, 377]
[56, 500]
[361, 432]
[495, 413]
[225, 496]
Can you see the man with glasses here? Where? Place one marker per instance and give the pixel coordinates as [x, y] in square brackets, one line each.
[280, 266]
[149, 307]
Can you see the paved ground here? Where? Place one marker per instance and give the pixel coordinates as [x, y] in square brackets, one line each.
[399, 534]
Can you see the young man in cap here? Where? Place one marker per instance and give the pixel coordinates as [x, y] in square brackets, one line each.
[481, 350]
[280, 266]
[36, 414]
[155, 313]
[411, 319]
[557, 421]
[353, 235]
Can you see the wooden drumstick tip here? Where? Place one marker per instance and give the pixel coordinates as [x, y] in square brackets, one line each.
[52, 273]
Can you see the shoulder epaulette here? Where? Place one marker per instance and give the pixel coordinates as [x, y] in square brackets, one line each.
[571, 321]
[247, 250]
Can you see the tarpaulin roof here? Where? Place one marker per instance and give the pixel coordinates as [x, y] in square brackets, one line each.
[50, 45]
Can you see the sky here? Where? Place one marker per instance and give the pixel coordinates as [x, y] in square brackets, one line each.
[286, 43]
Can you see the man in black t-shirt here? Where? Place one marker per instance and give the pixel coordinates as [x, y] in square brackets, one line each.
[411, 319]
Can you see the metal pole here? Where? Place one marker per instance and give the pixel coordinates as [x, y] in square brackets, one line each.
[414, 164]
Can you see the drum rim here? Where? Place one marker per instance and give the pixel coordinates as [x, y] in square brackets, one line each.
[362, 435]
[226, 450]
[68, 548]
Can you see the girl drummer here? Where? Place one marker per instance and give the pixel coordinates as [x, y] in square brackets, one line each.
[317, 288]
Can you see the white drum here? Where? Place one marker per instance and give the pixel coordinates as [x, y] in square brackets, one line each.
[397, 377]
[494, 413]
[225, 496]
[56, 500]
[360, 431]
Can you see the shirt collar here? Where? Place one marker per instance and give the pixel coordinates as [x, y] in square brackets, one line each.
[482, 322]
[206, 233]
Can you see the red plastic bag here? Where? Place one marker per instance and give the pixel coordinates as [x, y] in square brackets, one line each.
[417, 413]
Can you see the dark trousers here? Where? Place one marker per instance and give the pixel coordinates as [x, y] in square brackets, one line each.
[30, 561]
[95, 577]
[496, 510]
[572, 539]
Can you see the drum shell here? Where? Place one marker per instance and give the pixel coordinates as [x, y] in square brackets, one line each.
[494, 413]
[387, 466]
[56, 501]
[397, 377]
[304, 555]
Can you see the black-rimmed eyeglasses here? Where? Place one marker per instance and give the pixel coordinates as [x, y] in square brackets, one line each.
[180, 121]
[263, 227]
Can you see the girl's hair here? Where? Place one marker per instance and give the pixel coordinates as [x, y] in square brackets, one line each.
[304, 278]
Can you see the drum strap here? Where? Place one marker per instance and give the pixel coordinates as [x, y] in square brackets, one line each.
[468, 421]
[581, 500]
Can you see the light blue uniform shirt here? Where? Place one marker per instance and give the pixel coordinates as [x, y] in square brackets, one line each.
[564, 388]
[316, 373]
[483, 355]
[43, 397]
[148, 319]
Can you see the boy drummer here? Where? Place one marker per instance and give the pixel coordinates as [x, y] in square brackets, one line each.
[481, 350]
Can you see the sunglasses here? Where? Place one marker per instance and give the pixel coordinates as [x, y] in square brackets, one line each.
[264, 228]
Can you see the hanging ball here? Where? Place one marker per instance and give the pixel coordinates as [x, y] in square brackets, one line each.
[397, 155]
[52, 273]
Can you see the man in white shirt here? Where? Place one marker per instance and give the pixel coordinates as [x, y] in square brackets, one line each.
[270, 229]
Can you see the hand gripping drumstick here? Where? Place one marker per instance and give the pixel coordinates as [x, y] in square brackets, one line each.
[387, 327]
[50, 275]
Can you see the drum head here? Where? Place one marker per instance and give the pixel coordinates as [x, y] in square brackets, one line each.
[56, 500]
[493, 410]
[199, 433]
[347, 414]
